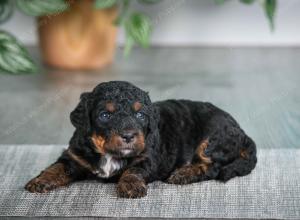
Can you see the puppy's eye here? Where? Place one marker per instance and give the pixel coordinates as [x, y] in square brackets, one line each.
[104, 116]
[140, 115]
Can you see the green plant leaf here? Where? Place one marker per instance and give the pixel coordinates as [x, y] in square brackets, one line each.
[42, 7]
[148, 1]
[6, 10]
[247, 1]
[128, 45]
[219, 1]
[13, 57]
[124, 9]
[138, 27]
[101, 4]
[270, 8]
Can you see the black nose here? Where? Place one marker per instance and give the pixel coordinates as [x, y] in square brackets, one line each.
[128, 136]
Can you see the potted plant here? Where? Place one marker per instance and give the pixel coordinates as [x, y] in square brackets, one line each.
[78, 38]
[80, 34]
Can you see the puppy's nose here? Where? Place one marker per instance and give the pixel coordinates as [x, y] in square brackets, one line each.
[128, 136]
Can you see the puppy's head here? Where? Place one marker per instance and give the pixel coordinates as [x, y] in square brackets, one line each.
[117, 117]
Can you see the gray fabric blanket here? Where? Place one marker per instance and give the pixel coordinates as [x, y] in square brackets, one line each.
[272, 190]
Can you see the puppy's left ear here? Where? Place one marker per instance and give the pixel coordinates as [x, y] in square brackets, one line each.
[80, 116]
[154, 119]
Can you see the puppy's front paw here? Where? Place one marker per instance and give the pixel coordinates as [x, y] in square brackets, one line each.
[51, 178]
[131, 186]
[40, 185]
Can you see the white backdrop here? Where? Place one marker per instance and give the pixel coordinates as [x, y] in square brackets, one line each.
[202, 22]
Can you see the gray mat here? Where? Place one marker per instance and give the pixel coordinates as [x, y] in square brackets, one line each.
[272, 190]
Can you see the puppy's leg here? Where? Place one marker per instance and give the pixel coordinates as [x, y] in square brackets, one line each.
[193, 173]
[54, 176]
[236, 161]
[201, 169]
[241, 166]
[59, 174]
[132, 184]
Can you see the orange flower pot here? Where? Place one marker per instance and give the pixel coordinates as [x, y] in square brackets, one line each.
[79, 38]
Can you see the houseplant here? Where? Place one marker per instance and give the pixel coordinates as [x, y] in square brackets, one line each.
[15, 59]
[78, 38]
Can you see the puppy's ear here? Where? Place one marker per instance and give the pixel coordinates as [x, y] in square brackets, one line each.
[80, 117]
[154, 120]
[152, 138]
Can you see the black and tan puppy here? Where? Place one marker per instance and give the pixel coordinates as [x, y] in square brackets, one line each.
[123, 137]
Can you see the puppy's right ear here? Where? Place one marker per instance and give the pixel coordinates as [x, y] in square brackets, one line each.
[80, 116]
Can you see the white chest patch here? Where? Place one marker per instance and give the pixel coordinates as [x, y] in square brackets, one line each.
[109, 166]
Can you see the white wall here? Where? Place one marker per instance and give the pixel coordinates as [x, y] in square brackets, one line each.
[202, 22]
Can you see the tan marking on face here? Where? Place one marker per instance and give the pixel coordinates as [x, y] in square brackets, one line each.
[115, 143]
[99, 142]
[110, 106]
[137, 106]
[140, 142]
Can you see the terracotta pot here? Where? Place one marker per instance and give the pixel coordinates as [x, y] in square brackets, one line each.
[80, 38]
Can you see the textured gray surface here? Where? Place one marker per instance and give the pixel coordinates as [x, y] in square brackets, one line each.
[258, 86]
[272, 190]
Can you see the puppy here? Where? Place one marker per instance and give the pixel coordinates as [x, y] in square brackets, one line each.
[121, 136]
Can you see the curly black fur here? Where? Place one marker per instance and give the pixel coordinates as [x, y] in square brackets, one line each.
[177, 141]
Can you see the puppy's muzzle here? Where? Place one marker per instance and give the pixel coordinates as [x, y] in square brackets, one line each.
[129, 136]
[127, 142]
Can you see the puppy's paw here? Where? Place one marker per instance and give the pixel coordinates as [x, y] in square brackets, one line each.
[131, 186]
[40, 185]
[181, 176]
[51, 178]
[177, 179]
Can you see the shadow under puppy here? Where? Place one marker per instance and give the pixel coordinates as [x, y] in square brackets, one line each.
[123, 137]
